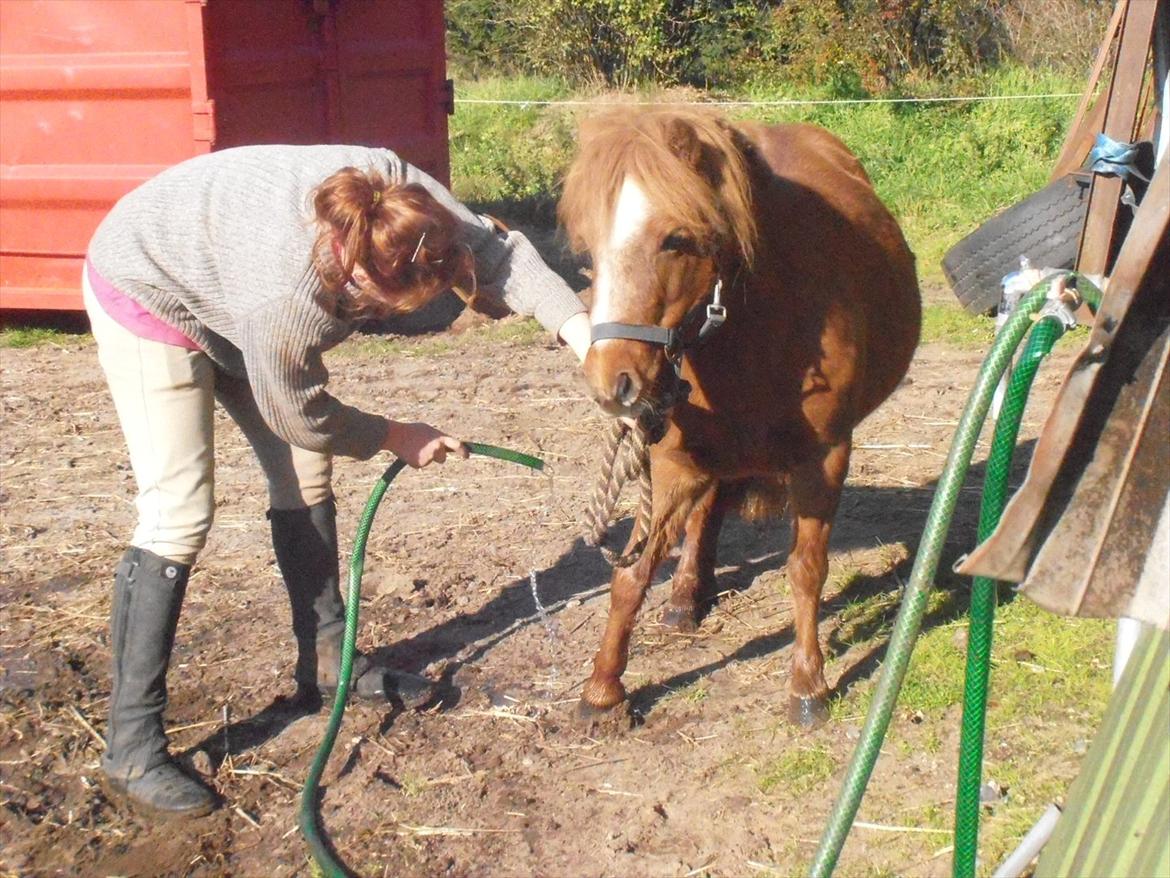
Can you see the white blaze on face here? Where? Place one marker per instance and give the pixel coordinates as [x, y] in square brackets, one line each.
[630, 216]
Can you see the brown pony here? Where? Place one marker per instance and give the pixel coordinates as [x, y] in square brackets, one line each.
[778, 228]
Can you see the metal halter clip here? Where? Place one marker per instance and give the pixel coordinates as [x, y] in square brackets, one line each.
[716, 313]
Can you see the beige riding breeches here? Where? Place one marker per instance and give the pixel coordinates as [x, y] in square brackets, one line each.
[164, 396]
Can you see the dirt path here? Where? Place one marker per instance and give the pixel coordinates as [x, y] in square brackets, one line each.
[498, 781]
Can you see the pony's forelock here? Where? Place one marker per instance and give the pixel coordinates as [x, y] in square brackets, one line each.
[710, 192]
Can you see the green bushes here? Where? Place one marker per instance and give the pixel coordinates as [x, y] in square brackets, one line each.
[609, 42]
[864, 44]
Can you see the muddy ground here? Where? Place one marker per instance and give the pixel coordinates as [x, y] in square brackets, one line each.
[497, 779]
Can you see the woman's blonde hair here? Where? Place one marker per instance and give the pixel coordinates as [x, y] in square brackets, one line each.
[406, 243]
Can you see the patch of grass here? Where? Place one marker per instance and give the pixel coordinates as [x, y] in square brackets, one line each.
[1050, 682]
[934, 679]
[517, 332]
[692, 694]
[840, 708]
[520, 333]
[842, 578]
[1071, 655]
[29, 336]
[1040, 659]
[413, 785]
[950, 324]
[798, 771]
[935, 816]
[1073, 339]
[865, 619]
[931, 740]
[513, 153]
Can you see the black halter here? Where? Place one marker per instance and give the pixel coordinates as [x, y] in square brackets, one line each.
[672, 339]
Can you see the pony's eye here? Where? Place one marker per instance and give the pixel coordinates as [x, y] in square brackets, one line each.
[677, 242]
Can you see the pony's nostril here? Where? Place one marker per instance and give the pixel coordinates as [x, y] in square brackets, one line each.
[625, 391]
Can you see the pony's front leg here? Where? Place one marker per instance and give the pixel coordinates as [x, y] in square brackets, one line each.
[815, 489]
[674, 497]
[695, 574]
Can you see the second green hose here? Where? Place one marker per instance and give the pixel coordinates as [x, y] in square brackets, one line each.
[983, 595]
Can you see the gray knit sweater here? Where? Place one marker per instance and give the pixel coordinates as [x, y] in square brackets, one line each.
[220, 248]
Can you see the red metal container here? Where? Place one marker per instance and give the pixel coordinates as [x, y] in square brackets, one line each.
[98, 95]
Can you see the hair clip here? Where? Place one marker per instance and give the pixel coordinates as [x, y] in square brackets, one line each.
[414, 256]
[376, 198]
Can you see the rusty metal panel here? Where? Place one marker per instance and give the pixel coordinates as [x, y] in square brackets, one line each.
[1078, 532]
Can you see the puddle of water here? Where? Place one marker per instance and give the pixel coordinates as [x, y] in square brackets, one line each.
[550, 627]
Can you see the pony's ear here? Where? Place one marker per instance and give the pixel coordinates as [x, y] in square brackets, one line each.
[693, 144]
[683, 141]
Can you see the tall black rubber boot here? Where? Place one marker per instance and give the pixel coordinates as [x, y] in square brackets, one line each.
[148, 595]
[305, 542]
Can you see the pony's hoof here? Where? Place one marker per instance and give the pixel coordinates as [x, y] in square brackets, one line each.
[807, 711]
[680, 618]
[601, 720]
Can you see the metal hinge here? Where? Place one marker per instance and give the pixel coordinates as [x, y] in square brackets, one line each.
[448, 102]
[203, 121]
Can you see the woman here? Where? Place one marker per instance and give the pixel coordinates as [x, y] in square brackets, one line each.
[227, 277]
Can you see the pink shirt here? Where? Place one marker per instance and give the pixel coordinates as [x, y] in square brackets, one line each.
[133, 317]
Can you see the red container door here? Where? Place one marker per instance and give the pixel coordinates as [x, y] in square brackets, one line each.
[392, 80]
[98, 95]
[94, 99]
[370, 72]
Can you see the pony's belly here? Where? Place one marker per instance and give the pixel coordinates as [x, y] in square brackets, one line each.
[746, 451]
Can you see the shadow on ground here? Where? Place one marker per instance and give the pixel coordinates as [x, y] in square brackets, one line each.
[869, 516]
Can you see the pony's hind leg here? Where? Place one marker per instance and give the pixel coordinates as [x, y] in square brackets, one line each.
[814, 491]
[694, 578]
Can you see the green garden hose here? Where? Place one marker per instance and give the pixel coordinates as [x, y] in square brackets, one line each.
[914, 601]
[306, 817]
[983, 596]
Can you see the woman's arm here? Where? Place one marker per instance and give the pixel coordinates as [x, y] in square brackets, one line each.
[505, 263]
[283, 344]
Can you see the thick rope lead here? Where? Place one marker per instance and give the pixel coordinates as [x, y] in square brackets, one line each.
[626, 458]
[608, 485]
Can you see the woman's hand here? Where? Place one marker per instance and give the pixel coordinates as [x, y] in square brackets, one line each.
[575, 332]
[421, 444]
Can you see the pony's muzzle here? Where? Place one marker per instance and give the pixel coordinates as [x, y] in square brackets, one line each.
[615, 380]
[618, 395]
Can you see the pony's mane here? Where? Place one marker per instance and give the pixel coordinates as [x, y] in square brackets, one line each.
[690, 164]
